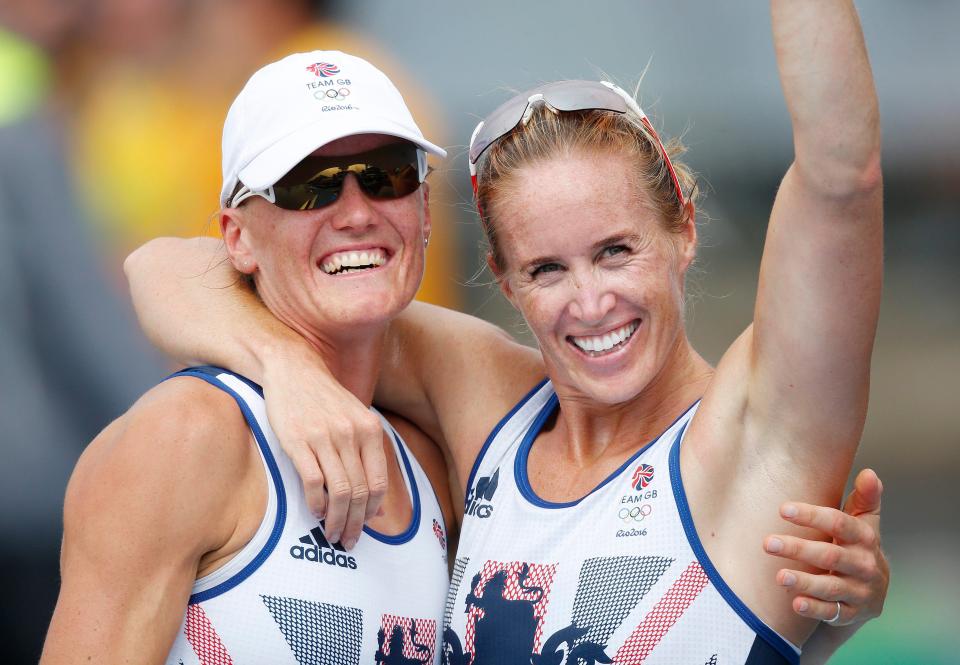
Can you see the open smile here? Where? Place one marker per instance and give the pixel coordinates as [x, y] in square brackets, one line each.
[607, 343]
[342, 263]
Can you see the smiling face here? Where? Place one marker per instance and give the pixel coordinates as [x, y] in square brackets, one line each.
[339, 270]
[589, 264]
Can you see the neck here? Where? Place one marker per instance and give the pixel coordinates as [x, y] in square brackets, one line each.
[353, 358]
[590, 430]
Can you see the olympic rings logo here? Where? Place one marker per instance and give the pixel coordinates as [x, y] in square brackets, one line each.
[332, 93]
[635, 514]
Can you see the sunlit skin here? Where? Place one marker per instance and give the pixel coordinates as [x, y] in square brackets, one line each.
[192, 521]
[284, 249]
[585, 254]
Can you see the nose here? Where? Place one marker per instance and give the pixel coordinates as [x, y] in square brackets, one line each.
[353, 210]
[591, 301]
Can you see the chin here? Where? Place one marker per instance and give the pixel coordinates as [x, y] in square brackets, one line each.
[610, 393]
[363, 309]
[374, 309]
[606, 388]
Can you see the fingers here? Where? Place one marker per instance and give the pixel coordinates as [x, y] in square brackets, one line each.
[842, 527]
[825, 587]
[333, 439]
[358, 444]
[305, 462]
[338, 495]
[825, 556]
[354, 498]
[375, 469]
[865, 497]
[822, 610]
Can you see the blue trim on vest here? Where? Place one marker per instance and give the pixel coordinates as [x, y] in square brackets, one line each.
[414, 525]
[214, 371]
[752, 620]
[493, 435]
[209, 374]
[523, 454]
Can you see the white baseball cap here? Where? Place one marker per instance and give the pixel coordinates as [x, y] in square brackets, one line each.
[293, 106]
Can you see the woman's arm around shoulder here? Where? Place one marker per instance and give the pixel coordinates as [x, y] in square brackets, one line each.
[142, 510]
[454, 376]
[195, 306]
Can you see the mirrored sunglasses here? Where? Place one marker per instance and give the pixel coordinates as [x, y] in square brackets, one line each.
[390, 172]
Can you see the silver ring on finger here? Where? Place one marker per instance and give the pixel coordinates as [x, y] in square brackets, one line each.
[836, 617]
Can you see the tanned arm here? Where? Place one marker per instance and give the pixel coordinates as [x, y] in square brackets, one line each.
[142, 510]
[198, 309]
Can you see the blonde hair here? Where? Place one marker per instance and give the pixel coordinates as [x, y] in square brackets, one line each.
[549, 134]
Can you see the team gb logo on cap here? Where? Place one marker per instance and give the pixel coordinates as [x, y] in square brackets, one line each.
[323, 69]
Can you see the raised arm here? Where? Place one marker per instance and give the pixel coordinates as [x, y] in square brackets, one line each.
[820, 279]
[785, 409]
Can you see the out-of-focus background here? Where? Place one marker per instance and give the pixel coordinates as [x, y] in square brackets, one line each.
[110, 116]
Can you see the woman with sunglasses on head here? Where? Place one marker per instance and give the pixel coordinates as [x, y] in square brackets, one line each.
[187, 536]
[614, 514]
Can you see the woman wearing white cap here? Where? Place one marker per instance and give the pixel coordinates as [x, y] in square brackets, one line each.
[589, 530]
[187, 536]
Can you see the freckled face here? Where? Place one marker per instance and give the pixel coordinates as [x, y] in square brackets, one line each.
[356, 262]
[597, 278]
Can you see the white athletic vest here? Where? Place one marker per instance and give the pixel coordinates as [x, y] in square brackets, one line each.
[292, 597]
[619, 576]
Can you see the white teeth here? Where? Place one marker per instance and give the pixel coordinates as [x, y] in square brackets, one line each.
[352, 260]
[602, 343]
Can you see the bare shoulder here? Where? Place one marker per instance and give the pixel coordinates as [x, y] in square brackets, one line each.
[143, 507]
[461, 345]
[454, 376]
[152, 465]
[430, 457]
[473, 372]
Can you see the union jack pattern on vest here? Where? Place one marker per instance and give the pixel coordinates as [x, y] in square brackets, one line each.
[610, 578]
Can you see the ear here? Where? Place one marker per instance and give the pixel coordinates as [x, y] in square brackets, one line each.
[236, 238]
[688, 236]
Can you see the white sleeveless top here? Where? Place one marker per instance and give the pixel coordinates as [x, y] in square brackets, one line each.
[619, 573]
[291, 596]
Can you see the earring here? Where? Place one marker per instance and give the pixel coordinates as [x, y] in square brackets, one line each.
[426, 241]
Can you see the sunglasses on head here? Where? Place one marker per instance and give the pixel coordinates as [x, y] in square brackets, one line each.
[390, 172]
[562, 96]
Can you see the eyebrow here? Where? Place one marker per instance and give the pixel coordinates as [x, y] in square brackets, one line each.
[615, 239]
